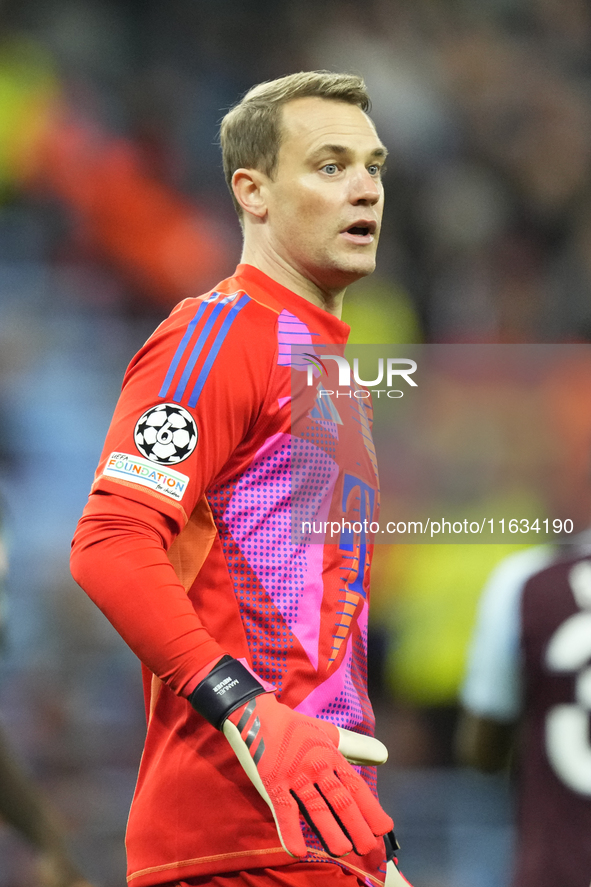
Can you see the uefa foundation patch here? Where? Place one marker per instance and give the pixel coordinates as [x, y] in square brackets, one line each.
[159, 478]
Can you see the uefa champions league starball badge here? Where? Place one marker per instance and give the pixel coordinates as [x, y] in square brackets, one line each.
[166, 434]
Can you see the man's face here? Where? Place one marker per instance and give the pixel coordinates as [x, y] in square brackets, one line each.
[325, 201]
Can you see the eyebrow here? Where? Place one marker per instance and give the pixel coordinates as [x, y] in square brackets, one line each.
[377, 153]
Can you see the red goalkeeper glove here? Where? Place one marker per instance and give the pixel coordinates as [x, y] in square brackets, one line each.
[295, 763]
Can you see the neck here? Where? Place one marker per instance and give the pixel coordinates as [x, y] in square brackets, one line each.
[282, 272]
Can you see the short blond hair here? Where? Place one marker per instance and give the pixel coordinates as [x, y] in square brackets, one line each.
[251, 132]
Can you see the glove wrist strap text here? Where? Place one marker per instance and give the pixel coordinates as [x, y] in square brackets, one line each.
[228, 686]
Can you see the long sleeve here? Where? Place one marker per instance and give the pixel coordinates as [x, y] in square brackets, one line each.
[119, 558]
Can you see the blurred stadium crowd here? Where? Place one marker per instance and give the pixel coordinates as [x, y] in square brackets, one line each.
[113, 208]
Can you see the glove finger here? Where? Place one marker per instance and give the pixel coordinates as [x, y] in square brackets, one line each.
[319, 817]
[347, 814]
[377, 819]
[286, 813]
[359, 749]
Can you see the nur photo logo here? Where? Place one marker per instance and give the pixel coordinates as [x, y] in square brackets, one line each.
[390, 371]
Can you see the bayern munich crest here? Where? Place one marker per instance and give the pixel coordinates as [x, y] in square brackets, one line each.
[166, 434]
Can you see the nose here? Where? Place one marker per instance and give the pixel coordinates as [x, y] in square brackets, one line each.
[366, 190]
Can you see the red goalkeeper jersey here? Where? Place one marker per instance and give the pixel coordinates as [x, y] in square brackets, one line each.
[212, 453]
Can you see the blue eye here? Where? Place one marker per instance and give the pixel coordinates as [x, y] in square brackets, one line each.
[330, 168]
[374, 169]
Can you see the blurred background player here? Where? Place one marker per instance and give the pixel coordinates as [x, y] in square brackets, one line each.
[527, 689]
[24, 807]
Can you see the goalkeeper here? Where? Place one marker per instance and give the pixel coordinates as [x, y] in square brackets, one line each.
[258, 761]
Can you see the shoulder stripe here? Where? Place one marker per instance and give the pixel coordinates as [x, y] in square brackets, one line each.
[197, 348]
[183, 344]
[203, 323]
[217, 344]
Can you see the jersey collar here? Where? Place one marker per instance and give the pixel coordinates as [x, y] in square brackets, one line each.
[275, 295]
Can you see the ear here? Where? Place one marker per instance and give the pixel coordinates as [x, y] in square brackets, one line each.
[249, 187]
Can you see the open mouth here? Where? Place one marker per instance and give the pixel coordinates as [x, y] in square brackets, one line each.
[361, 232]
